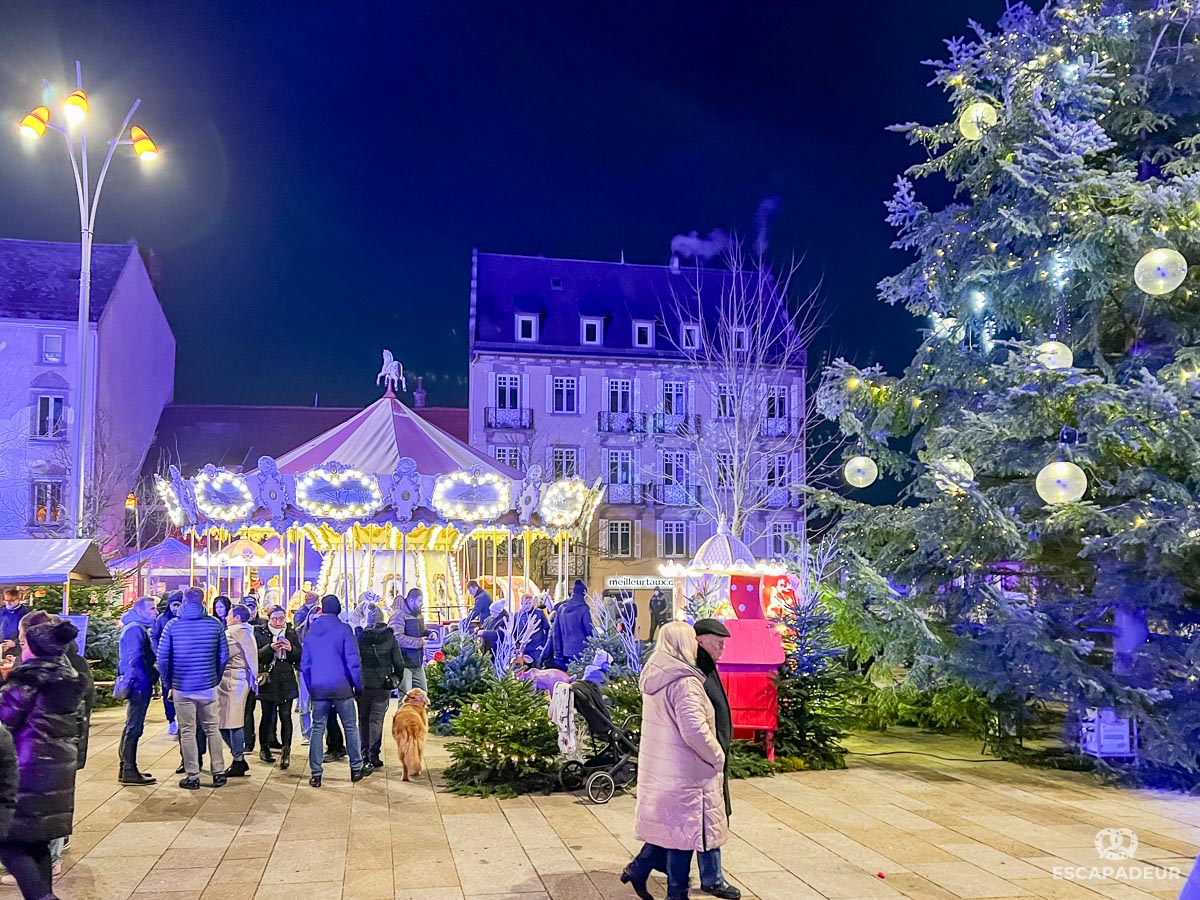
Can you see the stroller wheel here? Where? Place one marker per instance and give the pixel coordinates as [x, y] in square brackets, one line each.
[572, 775]
[600, 787]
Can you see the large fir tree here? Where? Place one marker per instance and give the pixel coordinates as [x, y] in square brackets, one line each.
[1073, 149]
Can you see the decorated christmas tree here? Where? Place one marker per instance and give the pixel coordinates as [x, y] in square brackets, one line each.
[1045, 546]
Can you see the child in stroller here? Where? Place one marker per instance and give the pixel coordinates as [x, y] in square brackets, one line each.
[613, 761]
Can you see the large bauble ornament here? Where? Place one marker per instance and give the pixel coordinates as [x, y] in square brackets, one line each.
[1055, 355]
[1160, 271]
[976, 119]
[1061, 482]
[956, 475]
[860, 471]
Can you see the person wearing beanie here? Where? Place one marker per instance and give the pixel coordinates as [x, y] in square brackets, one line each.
[167, 611]
[331, 667]
[497, 620]
[40, 705]
[382, 673]
[571, 629]
[711, 636]
[532, 628]
[408, 624]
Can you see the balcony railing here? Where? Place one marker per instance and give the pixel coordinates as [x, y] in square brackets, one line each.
[621, 422]
[499, 417]
[671, 493]
[624, 493]
[779, 497]
[779, 426]
[676, 424]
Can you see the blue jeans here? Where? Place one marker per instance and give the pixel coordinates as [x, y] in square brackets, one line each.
[135, 723]
[348, 714]
[235, 738]
[709, 862]
[305, 710]
[676, 863]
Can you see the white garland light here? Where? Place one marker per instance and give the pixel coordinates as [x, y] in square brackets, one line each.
[367, 483]
[470, 509]
[860, 471]
[170, 500]
[563, 502]
[223, 512]
[1061, 482]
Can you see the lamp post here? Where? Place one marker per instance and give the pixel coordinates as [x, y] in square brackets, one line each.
[34, 126]
[131, 503]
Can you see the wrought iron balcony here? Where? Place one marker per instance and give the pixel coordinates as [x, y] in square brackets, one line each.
[676, 424]
[499, 417]
[672, 493]
[621, 422]
[779, 426]
[779, 497]
[624, 493]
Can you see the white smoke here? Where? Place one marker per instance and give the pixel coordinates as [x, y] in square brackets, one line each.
[692, 245]
[762, 223]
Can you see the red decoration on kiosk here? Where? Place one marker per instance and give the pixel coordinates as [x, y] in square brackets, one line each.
[753, 654]
[744, 596]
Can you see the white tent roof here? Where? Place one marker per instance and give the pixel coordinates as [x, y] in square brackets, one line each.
[51, 562]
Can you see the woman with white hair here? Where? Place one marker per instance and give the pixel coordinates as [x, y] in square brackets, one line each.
[680, 804]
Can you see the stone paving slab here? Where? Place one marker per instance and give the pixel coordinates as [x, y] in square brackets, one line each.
[914, 816]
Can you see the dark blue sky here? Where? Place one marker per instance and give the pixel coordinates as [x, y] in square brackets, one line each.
[327, 168]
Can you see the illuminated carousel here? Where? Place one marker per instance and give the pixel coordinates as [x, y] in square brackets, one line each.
[386, 501]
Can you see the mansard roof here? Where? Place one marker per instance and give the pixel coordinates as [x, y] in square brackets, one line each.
[40, 279]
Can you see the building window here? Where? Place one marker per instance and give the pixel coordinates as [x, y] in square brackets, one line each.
[674, 398]
[777, 471]
[689, 337]
[50, 422]
[725, 403]
[620, 539]
[781, 535]
[47, 502]
[565, 395]
[591, 331]
[675, 467]
[643, 334]
[675, 539]
[620, 394]
[556, 284]
[52, 349]
[527, 328]
[620, 467]
[510, 456]
[724, 469]
[741, 339]
[564, 462]
[777, 402]
[508, 391]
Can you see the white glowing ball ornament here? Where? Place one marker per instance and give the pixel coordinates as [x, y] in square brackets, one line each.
[860, 471]
[976, 119]
[956, 475]
[1061, 482]
[1055, 355]
[1160, 271]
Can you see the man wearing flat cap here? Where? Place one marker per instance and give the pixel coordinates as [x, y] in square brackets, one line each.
[711, 635]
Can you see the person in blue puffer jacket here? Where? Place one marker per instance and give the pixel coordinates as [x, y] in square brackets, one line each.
[192, 653]
[571, 629]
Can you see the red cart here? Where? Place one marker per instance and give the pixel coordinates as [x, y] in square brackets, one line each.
[753, 654]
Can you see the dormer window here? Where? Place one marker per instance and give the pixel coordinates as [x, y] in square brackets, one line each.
[527, 328]
[643, 334]
[741, 340]
[591, 331]
[689, 337]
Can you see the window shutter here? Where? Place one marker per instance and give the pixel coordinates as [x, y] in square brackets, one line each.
[581, 395]
[579, 469]
[492, 399]
[659, 526]
[606, 466]
[636, 527]
[635, 470]
[660, 474]
[605, 403]
[690, 547]
[660, 386]
[690, 399]
[637, 395]
[794, 403]
[523, 399]
[603, 537]
[549, 393]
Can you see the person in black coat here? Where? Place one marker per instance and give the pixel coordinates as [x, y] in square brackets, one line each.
[40, 705]
[711, 635]
[278, 665]
[382, 667]
[660, 613]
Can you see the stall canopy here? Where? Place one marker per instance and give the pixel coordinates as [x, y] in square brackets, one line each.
[51, 562]
[171, 555]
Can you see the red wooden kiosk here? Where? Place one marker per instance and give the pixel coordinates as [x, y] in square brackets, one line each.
[753, 654]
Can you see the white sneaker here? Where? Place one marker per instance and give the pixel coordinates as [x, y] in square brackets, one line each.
[173, 729]
[56, 869]
[304, 742]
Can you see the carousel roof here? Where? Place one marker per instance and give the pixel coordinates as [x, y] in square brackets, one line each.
[377, 438]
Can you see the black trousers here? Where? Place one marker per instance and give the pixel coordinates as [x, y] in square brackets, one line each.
[29, 863]
[335, 740]
[251, 702]
[372, 710]
[272, 711]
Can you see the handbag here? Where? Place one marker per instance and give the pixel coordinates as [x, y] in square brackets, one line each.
[122, 687]
[264, 677]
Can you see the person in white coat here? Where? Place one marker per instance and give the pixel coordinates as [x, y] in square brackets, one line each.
[238, 682]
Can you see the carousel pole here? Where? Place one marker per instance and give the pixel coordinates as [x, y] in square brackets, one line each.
[345, 571]
[495, 564]
[207, 560]
[191, 558]
[508, 546]
[404, 564]
[525, 561]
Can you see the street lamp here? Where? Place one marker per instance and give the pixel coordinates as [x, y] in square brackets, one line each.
[131, 504]
[34, 126]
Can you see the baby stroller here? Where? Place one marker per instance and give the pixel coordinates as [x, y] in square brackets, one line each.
[613, 762]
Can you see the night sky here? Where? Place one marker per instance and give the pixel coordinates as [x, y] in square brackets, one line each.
[327, 168]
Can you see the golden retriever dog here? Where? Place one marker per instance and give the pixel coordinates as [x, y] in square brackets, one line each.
[410, 726]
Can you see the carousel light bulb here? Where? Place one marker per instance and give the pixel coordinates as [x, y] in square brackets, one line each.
[976, 119]
[957, 474]
[1061, 482]
[860, 471]
[1160, 271]
[1055, 355]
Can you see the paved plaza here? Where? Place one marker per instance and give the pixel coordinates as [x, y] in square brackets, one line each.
[949, 827]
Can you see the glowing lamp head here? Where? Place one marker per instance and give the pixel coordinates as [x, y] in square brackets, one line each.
[976, 119]
[142, 145]
[860, 471]
[1061, 482]
[34, 124]
[1055, 355]
[131, 501]
[1160, 271]
[75, 107]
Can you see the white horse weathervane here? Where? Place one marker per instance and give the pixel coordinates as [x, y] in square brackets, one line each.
[392, 373]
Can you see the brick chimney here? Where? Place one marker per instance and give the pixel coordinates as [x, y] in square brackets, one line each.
[419, 394]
